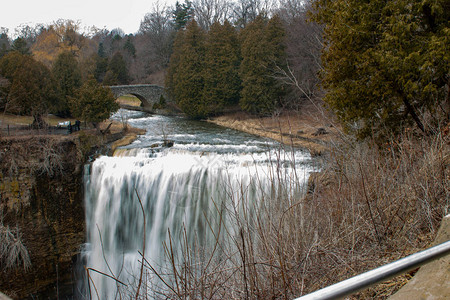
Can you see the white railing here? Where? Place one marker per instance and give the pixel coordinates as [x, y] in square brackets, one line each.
[382, 273]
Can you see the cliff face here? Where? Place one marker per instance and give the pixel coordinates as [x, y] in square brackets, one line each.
[41, 206]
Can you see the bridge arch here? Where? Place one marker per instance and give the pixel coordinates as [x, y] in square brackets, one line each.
[148, 94]
[144, 102]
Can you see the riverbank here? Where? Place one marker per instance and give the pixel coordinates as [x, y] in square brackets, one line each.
[121, 134]
[397, 215]
[305, 129]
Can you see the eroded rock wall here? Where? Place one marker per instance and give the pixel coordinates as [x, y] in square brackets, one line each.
[41, 202]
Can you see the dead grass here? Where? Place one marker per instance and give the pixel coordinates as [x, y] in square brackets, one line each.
[130, 136]
[305, 128]
[129, 100]
[16, 120]
[379, 203]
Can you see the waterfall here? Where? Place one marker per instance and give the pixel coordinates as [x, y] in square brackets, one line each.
[187, 196]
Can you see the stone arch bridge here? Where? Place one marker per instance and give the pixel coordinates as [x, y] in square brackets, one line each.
[149, 94]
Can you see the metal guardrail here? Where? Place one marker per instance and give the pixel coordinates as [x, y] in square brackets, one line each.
[4, 297]
[382, 273]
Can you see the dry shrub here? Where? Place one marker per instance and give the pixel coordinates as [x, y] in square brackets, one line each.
[378, 204]
[50, 161]
[34, 154]
[13, 252]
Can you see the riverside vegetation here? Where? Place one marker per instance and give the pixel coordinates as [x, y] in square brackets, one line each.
[368, 206]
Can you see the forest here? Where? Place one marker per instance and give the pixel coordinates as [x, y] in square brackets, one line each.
[376, 66]
[70, 55]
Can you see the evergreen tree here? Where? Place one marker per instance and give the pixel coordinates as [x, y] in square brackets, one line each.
[20, 45]
[119, 68]
[93, 102]
[174, 62]
[101, 50]
[221, 74]
[110, 78]
[129, 47]
[10, 63]
[262, 51]
[385, 61]
[101, 63]
[275, 36]
[3, 50]
[182, 14]
[68, 79]
[188, 79]
[31, 91]
[4, 43]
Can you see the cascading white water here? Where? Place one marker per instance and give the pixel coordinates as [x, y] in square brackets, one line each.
[184, 191]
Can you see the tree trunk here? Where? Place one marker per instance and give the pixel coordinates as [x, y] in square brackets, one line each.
[38, 122]
[410, 109]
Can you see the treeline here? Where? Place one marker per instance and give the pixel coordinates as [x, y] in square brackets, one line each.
[211, 70]
[143, 57]
[382, 66]
[29, 87]
[112, 57]
[99, 53]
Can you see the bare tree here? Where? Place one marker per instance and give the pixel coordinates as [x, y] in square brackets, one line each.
[208, 12]
[303, 46]
[68, 34]
[245, 11]
[153, 44]
[293, 8]
[158, 22]
[28, 33]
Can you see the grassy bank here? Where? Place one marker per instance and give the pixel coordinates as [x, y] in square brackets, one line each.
[129, 100]
[16, 120]
[305, 128]
[108, 127]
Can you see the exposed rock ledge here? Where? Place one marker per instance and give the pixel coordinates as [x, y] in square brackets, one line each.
[432, 281]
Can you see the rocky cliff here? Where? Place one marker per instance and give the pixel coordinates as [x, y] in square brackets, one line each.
[41, 214]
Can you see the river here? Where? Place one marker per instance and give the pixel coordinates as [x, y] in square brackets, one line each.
[175, 205]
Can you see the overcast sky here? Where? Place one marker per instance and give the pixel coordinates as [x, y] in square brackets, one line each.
[126, 14]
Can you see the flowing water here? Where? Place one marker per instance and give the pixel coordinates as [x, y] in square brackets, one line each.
[158, 201]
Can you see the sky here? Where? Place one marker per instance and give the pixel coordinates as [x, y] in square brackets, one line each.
[124, 14]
